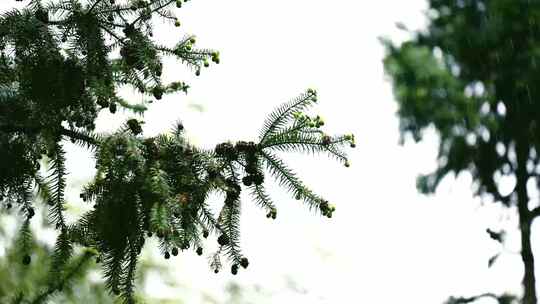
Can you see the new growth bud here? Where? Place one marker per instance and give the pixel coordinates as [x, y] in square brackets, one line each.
[215, 57]
[327, 209]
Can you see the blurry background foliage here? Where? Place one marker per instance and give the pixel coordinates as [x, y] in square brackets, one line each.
[86, 284]
[473, 75]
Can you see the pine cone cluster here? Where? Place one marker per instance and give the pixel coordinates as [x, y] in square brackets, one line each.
[327, 209]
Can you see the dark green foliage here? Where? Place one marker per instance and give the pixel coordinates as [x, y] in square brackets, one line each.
[59, 70]
[25, 277]
[443, 91]
[472, 75]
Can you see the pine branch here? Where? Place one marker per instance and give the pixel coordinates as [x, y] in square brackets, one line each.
[113, 267]
[262, 198]
[25, 238]
[143, 186]
[215, 262]
[307, 143]
[94, 5]
[57, 185]
[59, 283]
[25, 198]
[207, 219]
[81, 137]
[286, 177]
[128, 284]
[229, 219]
[63, 250]
[231, 226]
[282, 115]
[80, 232]
[159, 5]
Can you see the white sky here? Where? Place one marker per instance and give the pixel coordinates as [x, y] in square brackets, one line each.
[385, 243]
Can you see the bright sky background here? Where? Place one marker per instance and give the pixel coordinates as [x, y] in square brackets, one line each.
[385, 243]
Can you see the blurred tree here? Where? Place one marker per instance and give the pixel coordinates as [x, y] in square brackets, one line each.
[473, 75]
[58, 68]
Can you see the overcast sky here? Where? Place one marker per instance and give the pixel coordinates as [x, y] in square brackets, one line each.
[385, 243]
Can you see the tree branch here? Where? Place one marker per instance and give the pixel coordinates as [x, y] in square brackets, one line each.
[75, 135]
[453, 300]
[35, 129]
[153, 11]
[94, 5]
[534, 213]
